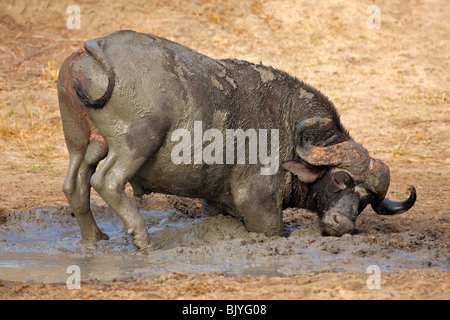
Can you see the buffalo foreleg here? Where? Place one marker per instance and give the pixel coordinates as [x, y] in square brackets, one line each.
[259, 207]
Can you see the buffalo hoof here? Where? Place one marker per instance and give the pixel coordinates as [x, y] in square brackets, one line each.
[90, 241]
[102, 236]
[145, 249]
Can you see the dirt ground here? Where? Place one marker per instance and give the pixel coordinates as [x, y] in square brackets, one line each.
[390, 85]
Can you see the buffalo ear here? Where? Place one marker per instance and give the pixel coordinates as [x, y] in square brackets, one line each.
[303, 173]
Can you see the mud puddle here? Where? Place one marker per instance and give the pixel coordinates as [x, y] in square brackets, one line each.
[40, 245]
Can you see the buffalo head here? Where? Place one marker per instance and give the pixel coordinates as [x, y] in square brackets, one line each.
[342, 180]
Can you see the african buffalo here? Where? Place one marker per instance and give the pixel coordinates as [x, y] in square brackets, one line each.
[126, 97]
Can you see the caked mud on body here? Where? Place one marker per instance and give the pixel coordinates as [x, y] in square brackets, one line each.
[123, 96]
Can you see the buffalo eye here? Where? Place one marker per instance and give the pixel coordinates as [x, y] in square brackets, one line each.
[339, 184]
[342, 180]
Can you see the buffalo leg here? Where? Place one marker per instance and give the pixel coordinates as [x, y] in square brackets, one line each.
[77, 188]
[262, 219]
[260, 209]
[109, 181]
[77, 132]
[126, 156]
[211, 209]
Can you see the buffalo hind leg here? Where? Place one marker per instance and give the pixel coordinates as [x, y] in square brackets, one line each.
[85, 152]
[77, 189]
[109, 181]
[127, 154]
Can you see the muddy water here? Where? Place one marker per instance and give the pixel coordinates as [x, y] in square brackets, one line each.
[39, 245]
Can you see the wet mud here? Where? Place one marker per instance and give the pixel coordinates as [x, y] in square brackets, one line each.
[39, 245]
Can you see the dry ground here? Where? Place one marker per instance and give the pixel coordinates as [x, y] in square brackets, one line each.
[391, 86]
[404, 285]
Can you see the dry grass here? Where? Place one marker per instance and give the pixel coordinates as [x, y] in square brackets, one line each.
[33, 125]
[49, 74]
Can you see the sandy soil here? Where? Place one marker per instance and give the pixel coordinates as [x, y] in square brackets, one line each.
[391, 86]
[399, 285]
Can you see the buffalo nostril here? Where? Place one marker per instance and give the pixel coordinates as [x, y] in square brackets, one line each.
[336, 224]
[336, 219]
